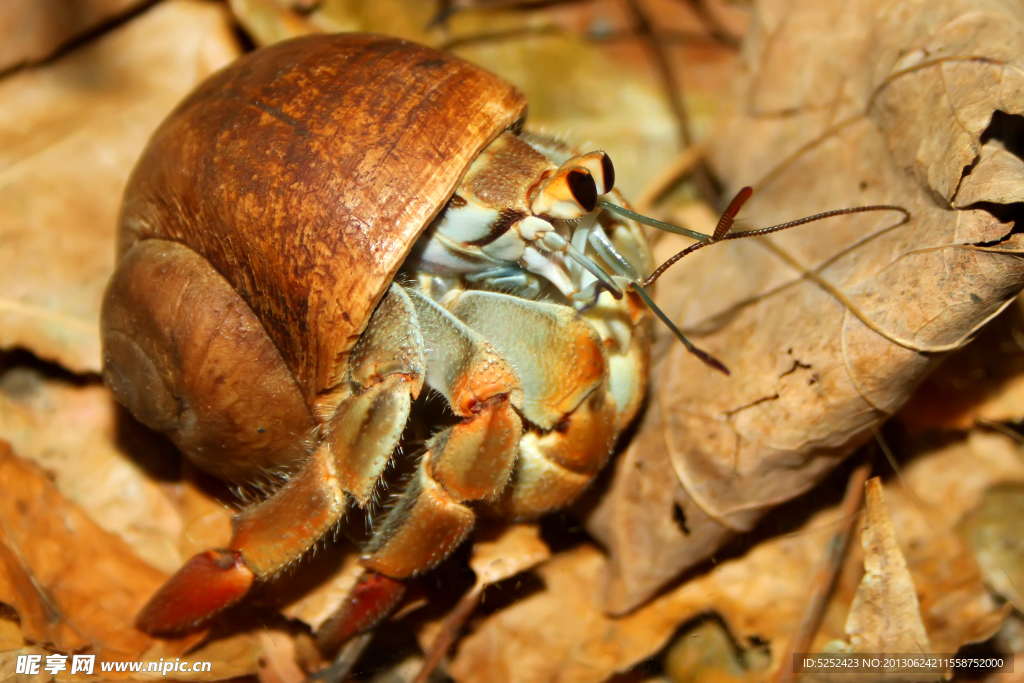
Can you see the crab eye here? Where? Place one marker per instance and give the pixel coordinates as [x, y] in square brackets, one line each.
[567, 195]
[600, 167]
[583, 188]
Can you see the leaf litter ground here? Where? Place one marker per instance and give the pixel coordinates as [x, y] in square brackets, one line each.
[830, 329]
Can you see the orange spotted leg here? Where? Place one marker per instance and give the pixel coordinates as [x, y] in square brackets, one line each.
[386, 374]
[564, 397]
[470, 461]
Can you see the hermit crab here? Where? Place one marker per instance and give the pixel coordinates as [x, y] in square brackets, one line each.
[327, 230]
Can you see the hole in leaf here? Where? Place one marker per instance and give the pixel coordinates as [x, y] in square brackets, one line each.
[1007, 129]
[679, 517]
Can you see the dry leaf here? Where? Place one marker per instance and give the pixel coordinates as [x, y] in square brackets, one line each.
[981, 384]
[10, 631]
[941, 486]
[994, 531]
[72, 583]
[230, 657]
[499, 553]
[885, 616]
[707, 654]
[278, 662]
[69, 134]
[562, 634]
[35, 29]
[77, 587]
[827, 328]
[77, 434]
[993, 178]
[516, 548]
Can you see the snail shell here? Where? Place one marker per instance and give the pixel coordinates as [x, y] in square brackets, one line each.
[304, 172]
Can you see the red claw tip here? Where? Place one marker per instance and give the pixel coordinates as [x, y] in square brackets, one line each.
[370, 601]
[208, 583]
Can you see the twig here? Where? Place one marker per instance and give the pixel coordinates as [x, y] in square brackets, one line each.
[666, 71]
[450, 628]
[343, 664]
[687, 160]
[718, 32]
[825, 577]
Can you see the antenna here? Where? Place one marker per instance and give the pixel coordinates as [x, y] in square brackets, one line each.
[721, 234]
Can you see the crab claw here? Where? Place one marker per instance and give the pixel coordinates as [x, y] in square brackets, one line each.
[208, 583]
[370, 601]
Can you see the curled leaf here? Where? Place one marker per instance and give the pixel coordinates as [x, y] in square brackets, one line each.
[827, 328]
[885, 615]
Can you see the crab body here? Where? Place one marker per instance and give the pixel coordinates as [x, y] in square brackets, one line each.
[322, 232]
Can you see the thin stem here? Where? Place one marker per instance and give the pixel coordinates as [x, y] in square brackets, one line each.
[672, 84]
[450, 628]
[825, 576]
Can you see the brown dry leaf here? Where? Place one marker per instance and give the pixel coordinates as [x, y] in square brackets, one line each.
[35, 29]
[827, 328]
[278, 662]
[981, 384]
[72, 583]
[993, 178]
[77, 434]
[10, 631]
[75, 586]
[707, 654]
[241, 654]
[562, 634]
[994, 530]
[885, 616]
[70, 132]
[516, 548]
[941, 486]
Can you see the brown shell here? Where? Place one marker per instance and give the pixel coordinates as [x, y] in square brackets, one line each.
[304, 172]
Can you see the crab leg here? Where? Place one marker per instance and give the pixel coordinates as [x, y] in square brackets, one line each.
[387, 369]
[564, 369]
[470, 461]
[386, 375]
[564, 397]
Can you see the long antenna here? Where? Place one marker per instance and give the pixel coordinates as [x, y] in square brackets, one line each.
[734, 206]
[721, 234]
